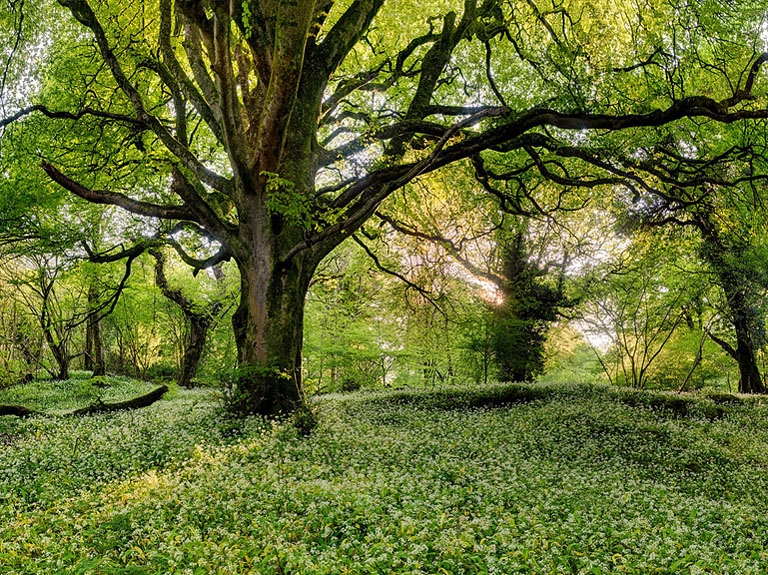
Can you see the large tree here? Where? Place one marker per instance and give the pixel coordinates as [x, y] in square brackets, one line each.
[273, 129]
[731, 226]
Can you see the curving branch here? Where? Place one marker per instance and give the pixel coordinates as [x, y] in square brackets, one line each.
[746, 93]
[66, 115]
[136, 403]
[115, 256]
[448, 245]
[361, 198]
[223, 255]
[194, 199]
[121, 200]
[409, 284]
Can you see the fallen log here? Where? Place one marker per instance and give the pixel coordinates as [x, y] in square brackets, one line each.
[96, 407]
[18, 411]
[135, 403]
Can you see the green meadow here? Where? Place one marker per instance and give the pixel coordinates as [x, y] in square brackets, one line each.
[505, 479]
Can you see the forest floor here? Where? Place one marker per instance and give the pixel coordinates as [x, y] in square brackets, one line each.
[507, 479]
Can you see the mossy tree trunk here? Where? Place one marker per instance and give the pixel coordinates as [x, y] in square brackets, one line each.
[730, 261]
[269, 324]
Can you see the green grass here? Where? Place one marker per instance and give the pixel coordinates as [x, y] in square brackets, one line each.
[511, 479]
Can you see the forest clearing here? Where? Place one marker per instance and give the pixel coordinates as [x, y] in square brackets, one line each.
[504, 479]
[266, 266]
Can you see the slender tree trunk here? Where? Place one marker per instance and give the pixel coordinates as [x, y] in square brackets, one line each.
[198, 321]
[193, 351]
[750, 380]
[94, 346]
[88, 355]
[99, 366]
[61, 355]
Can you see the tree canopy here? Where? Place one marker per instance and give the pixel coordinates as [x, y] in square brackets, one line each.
[268, 132]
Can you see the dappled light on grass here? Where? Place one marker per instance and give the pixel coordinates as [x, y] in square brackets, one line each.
[575, 479]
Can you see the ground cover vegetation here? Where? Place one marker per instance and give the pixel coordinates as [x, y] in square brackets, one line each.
[220, 219]
[501, 479]
[507, 164]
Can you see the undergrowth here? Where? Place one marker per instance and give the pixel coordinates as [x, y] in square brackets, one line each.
[508, 479]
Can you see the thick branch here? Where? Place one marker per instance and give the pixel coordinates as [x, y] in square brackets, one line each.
[184, 83]
[220, 256]
[345, 34]
[726, 347]
[96, 407]
[112, 256]
[116, 199]
[746, 93]
[161, 281]
[194, 200]
[18, 411]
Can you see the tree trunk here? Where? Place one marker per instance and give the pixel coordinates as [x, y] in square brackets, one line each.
[198, 322]
[269, 328]
[746, 324]
[750, 380]
[94, 345]
[88, 355]
[193, 350]
[747, 320]
[135, 403]
[60, 353]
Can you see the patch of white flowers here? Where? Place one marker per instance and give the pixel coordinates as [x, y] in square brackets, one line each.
[577, 482]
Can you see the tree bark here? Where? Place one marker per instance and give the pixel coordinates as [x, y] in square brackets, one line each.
[17, 410]
[269, 329]
[94, 345]
[88, 355]
[193, 350]
[60, 353]
[750, 380]
[99, 363]
[746, 321]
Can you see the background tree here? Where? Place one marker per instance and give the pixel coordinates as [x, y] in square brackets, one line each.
[726, 209]
[638, 301]
[530, 305]
[199, 317]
